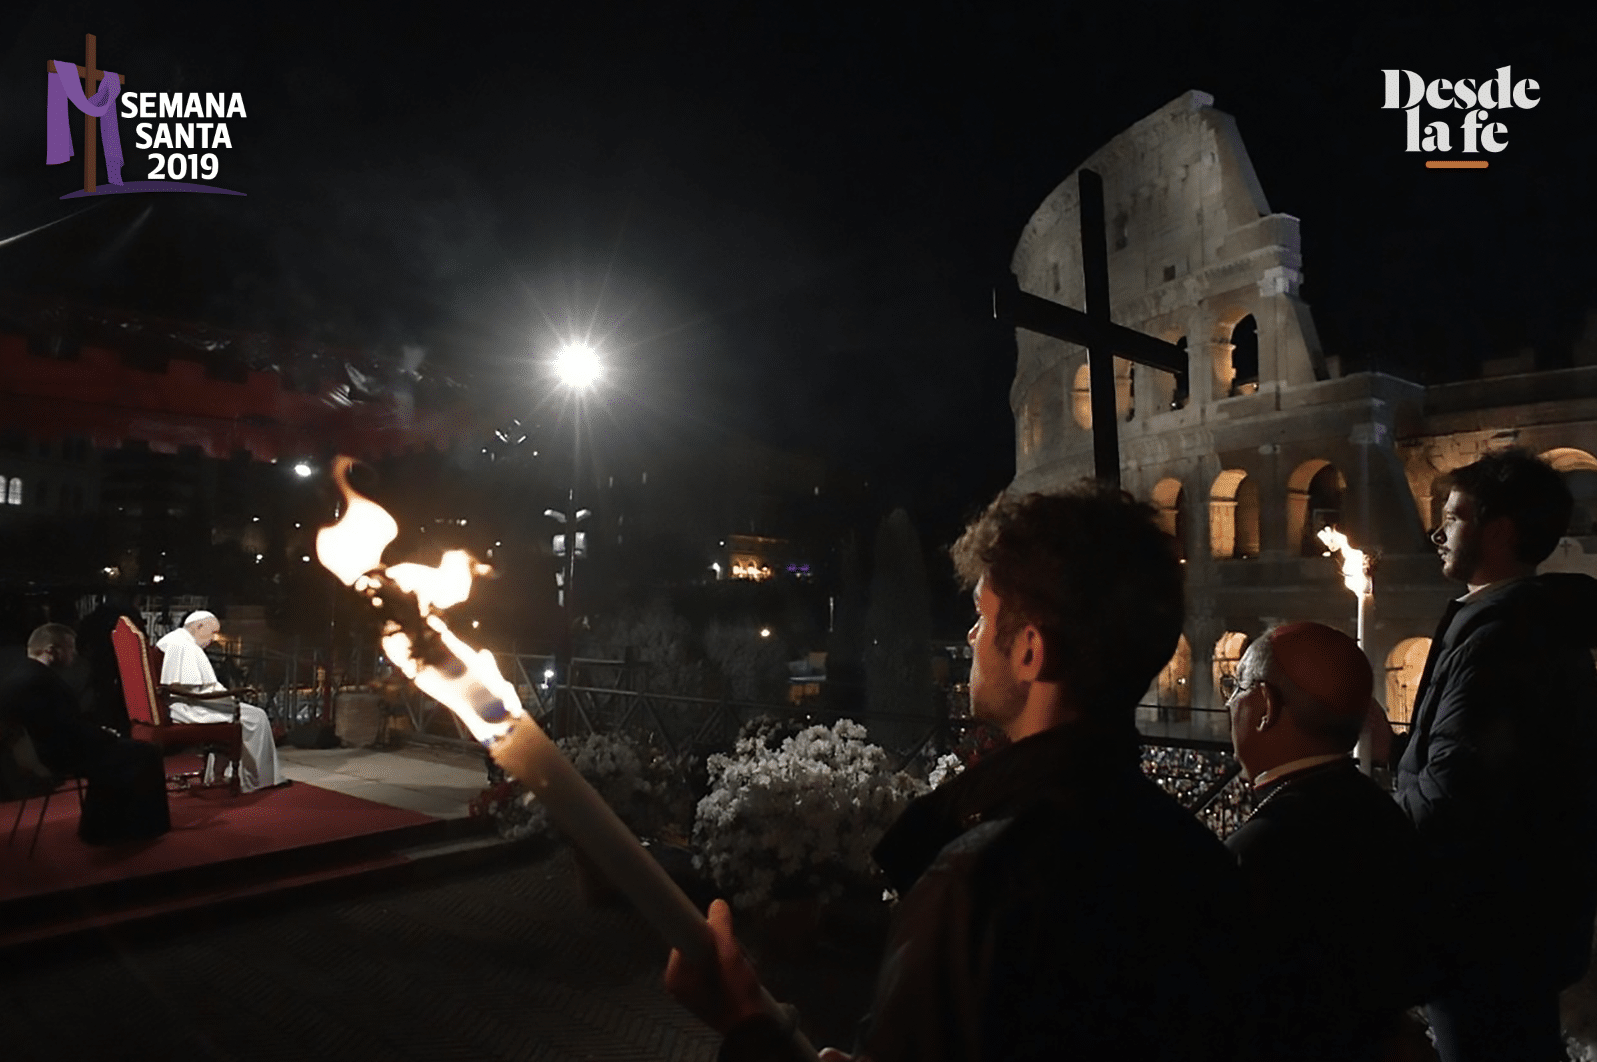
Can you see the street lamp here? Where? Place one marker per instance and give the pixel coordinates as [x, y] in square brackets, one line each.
[578, 368]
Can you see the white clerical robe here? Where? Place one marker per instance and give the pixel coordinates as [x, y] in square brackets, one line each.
[186, 664]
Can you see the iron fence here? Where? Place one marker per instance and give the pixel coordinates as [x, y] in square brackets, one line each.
[295, 685]
[1187, 751]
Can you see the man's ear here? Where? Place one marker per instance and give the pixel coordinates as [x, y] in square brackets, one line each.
[1028, 654]
[1273, 706]
[1501, 536]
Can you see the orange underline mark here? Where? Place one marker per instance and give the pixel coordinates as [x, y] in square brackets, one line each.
[1438, 164]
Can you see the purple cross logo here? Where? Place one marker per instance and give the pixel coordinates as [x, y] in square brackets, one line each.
[99, 109]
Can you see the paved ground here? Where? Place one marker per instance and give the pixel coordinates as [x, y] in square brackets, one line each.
[435, 780]
[504, 963]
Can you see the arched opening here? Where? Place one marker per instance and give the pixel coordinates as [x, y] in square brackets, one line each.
[1032, 419]
[14, 491]
[1579, 469]
[1081, 397]
[1245, 356]
[1172, 689]
[1404, 665]
[1125, 389]
[1233, 516]
[1168, 498]
[1228, 650]
[1313, 500]
[1569, 459]
[1125, 393]
[1182, 393]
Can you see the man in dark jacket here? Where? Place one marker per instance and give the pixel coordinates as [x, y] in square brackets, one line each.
[126, 797]
[1322, 838]
[1498, 770]
[1057, 904]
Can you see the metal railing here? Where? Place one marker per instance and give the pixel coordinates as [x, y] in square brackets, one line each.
[295, 685]
[1186, 750]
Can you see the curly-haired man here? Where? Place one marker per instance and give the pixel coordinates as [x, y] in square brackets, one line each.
[1057, 904]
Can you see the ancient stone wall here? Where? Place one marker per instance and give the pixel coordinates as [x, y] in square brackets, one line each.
[1265, 440]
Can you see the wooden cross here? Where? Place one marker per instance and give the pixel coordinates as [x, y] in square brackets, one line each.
[1094, 330]
[91, 79]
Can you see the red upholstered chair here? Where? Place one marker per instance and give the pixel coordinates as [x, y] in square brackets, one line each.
[138, 662]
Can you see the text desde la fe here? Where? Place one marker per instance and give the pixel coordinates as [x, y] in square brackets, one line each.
[1406, 90]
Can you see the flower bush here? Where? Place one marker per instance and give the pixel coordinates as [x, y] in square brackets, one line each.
[799, 819]
[946, 766]
[517, 814]
[647, 789]
[769, 731]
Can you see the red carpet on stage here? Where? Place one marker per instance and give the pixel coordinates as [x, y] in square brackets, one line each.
[208, 826]
[221, 848]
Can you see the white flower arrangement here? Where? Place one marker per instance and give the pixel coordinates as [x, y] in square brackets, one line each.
[947, 765]
[800, 819]
[611, 763]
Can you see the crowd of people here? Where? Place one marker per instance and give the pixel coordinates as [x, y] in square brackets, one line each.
[1059, 899]
[1057, 902]
[1189, 775]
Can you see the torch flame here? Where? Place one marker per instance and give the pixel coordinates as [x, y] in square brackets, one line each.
[1355, 570]
[442, 587]
[466, 680]
[354, 546]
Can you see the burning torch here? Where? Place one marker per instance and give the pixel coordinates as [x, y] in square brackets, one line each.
[411, 598]
[1357, 567]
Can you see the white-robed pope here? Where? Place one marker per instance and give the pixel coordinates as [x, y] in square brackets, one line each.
[187, 668]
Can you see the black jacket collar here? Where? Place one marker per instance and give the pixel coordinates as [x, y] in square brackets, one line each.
[1060, 760]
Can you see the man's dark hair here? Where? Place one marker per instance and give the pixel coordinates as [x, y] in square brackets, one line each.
[1091, 569]
[1524, 488]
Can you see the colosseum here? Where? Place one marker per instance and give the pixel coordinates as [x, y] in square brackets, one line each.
[1265, 440]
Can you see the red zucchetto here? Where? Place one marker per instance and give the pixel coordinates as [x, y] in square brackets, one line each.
[1326, 664]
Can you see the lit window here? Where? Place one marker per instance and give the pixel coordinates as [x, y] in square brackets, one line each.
[14, 491]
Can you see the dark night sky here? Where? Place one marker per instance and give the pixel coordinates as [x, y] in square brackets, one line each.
[786, 218]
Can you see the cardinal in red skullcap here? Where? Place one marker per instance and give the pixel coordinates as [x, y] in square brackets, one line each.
[1323, 841]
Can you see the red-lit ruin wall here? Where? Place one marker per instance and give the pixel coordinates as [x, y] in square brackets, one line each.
[97, 396]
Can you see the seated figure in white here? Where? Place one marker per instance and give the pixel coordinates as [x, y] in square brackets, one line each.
[186, 668]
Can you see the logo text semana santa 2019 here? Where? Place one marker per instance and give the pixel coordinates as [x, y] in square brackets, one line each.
[187, 153]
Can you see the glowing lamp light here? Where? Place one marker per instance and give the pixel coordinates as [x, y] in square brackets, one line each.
[302, 470]
[577, 365]
[765, 632]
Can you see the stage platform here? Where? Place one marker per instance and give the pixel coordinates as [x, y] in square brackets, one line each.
[350, 814]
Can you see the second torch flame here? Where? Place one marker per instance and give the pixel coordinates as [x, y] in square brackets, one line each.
[1355, 572]
[467, 682]
[1356, 577]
